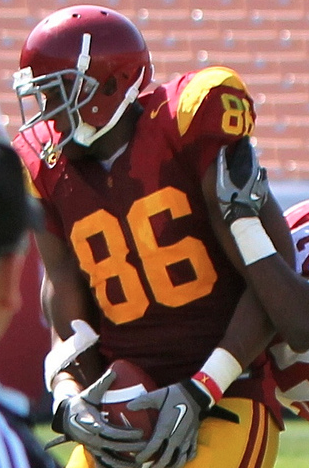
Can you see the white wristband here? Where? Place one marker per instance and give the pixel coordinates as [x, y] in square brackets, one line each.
[64, 389]
[222, 367]
[217, 374]
[252, 240]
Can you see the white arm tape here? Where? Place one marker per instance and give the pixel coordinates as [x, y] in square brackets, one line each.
[252, 240]
[222, 367]
[64, 353]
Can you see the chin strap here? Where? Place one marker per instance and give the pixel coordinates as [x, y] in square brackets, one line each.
[86, 134]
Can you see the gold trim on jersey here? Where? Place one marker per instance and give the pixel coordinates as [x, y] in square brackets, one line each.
[197, 89]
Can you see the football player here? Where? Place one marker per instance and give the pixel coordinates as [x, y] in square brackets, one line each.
[139, 262]
[265, 266]
[240, 181]
[291, 369]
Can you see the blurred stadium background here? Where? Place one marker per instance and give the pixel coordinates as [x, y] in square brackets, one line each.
[267, 42]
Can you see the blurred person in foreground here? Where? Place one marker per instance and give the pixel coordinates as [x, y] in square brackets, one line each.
[138, 260]
[18, 214]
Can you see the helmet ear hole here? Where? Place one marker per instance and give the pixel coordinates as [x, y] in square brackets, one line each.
[110, 86]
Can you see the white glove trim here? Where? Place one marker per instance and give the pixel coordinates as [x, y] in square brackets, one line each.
[65, 353]
[123, 394]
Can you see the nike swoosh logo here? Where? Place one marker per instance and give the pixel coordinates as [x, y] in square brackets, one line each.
[182, 408]
[86, 420]
[125, 420]
[155, 112]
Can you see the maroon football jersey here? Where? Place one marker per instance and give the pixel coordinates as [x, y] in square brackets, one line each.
[140, 230]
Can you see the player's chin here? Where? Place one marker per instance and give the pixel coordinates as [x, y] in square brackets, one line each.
[73, 151]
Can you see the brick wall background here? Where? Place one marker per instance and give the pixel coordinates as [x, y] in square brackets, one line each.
[265, 41]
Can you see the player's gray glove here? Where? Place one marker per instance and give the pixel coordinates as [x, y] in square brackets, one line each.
[182, 406]
[79, 419]
[242, 185]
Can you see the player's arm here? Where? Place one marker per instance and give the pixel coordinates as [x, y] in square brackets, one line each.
[65, 298]
[250, 329]
[264, 241]
[73, 368]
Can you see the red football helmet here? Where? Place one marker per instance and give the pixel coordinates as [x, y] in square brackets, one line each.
[298, 220]
[89, 46]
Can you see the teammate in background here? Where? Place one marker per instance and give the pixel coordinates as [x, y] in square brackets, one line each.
[291, 369]
[136, 247]
[18, 447]
[240, 181]
[267, 271]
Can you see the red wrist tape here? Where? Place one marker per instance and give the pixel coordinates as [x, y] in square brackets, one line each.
[208, 385]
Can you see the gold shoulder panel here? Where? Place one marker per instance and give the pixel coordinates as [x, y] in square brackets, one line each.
[197, 89]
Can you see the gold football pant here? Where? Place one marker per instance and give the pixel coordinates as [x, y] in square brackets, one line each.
[251, 444]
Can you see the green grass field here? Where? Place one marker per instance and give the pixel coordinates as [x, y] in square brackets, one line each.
[294, 445]
[293, 453]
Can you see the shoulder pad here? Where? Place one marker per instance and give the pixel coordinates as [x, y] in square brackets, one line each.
[199, 87]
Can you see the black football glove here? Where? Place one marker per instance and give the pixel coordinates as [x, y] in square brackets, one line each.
[182, 406]
[79, 419]
[242, 185]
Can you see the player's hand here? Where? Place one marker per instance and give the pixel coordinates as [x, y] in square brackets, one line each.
[181, 407]
[174, 439]
[79, 419]
[242, 185]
